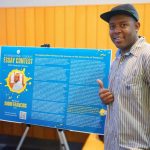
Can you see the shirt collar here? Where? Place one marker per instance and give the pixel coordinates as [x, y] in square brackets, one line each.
[135, 49]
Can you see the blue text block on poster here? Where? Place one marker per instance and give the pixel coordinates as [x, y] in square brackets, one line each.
[54, 87]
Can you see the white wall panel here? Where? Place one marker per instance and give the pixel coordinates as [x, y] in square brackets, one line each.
[29, 3]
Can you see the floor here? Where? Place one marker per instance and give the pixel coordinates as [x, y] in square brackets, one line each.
[11, 142]
[93, 143]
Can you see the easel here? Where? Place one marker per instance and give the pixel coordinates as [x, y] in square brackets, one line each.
[23, 137]
[63, 141]
[62, 138]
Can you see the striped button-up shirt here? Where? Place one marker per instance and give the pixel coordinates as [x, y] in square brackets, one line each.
[127, 125]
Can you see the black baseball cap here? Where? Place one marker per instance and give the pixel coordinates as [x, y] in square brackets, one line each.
[126, 9]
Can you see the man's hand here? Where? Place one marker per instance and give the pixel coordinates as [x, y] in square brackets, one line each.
[105, 95]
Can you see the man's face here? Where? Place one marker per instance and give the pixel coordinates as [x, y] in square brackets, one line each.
[16, 78]
[123, 31]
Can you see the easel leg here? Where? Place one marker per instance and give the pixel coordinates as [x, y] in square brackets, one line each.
[23, 137]
[63, 141]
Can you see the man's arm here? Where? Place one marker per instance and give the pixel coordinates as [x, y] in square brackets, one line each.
[146, 67]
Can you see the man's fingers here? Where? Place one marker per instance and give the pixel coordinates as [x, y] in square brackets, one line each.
[108, 101]
[105, 94]
[107, 97]
[100, 83]
[103, 91]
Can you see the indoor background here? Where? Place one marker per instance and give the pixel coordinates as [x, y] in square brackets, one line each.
[60, 26]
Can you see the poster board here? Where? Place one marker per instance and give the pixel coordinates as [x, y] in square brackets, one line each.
[54, 87]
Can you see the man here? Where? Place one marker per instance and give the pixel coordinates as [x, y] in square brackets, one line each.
[127, 125]
[17, 85]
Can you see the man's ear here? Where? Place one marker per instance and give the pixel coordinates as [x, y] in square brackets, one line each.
[137, 26]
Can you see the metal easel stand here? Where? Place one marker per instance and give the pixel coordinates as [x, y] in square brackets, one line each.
[23, 137]
[62, 138]
[63, 141]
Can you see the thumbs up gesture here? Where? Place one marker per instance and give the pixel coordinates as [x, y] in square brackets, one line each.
[105, 95]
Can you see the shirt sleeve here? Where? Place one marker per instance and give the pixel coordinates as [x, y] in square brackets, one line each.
[146, 67]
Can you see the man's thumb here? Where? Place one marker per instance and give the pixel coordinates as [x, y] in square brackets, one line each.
[100, 83]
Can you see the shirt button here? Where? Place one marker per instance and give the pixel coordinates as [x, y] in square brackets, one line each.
[128, 87]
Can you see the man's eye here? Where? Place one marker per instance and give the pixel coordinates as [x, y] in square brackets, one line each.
[123, 25]
[112, 27]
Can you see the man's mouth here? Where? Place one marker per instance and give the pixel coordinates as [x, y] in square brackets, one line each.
[117, 39]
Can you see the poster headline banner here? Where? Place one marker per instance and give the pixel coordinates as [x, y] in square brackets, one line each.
[40, 3]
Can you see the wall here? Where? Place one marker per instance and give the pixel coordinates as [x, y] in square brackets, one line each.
[63, 26]
[35, 3]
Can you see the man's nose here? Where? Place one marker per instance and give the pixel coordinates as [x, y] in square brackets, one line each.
[117, 30]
